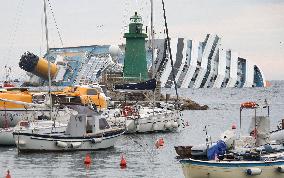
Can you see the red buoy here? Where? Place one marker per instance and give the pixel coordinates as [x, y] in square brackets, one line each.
[160, 142]
[87, 159]
[123, 162]
[8, 174]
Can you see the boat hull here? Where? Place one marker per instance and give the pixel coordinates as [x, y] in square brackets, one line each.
[201, 169]
[144, 126]
[6, 137]
[35, 142]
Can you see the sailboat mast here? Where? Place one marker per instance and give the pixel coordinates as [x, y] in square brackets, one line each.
[152, 37]
[170, 51]
[152, 47]
[47, 52]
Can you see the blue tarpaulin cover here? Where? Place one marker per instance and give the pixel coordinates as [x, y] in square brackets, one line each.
[216, 150]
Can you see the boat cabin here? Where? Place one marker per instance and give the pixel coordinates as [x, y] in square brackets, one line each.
[83, 125]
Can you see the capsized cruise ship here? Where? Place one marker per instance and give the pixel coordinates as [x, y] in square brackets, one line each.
[205, 65]
[196, 64]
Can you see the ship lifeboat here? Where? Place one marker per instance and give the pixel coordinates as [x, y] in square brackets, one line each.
[249, 105]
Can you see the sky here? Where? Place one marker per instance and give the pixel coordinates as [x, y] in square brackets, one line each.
[253, 28]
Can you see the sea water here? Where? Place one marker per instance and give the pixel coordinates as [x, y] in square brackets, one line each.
[143, 159]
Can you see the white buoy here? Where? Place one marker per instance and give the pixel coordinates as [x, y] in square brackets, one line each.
[61, 144]
[254, 171]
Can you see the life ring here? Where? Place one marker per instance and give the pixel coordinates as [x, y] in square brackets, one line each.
[127, 110]
[248, 105]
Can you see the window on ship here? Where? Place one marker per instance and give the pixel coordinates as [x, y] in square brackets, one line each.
[92, 92]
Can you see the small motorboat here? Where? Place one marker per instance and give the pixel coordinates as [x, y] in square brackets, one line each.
[87, 130]
[241, 157]
[268, 167]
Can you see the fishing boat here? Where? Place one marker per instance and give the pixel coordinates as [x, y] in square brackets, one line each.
[241, 157]
[87, 130]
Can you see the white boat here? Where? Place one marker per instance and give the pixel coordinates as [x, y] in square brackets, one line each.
[236, 169]
[241, 157]
[138, 119]
[35, 126]
[87, 130]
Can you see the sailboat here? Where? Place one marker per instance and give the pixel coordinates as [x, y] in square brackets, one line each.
[86, 130]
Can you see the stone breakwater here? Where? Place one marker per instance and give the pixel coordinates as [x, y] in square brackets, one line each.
[147, 97]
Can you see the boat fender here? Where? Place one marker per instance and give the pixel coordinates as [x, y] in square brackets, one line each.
[61, 144]
[21, 142]
[155, 126]
[280, 169]
[254, 171]
[97, 140]
[75, 144]
[168, 125]
[174, 124]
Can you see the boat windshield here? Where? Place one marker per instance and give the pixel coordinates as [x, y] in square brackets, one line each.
[103, 124]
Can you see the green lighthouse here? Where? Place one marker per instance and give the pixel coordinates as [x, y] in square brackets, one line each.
[135, 64]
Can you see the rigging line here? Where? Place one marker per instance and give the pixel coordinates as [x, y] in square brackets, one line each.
[54, 20]
[42, 34]
[170, 50]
